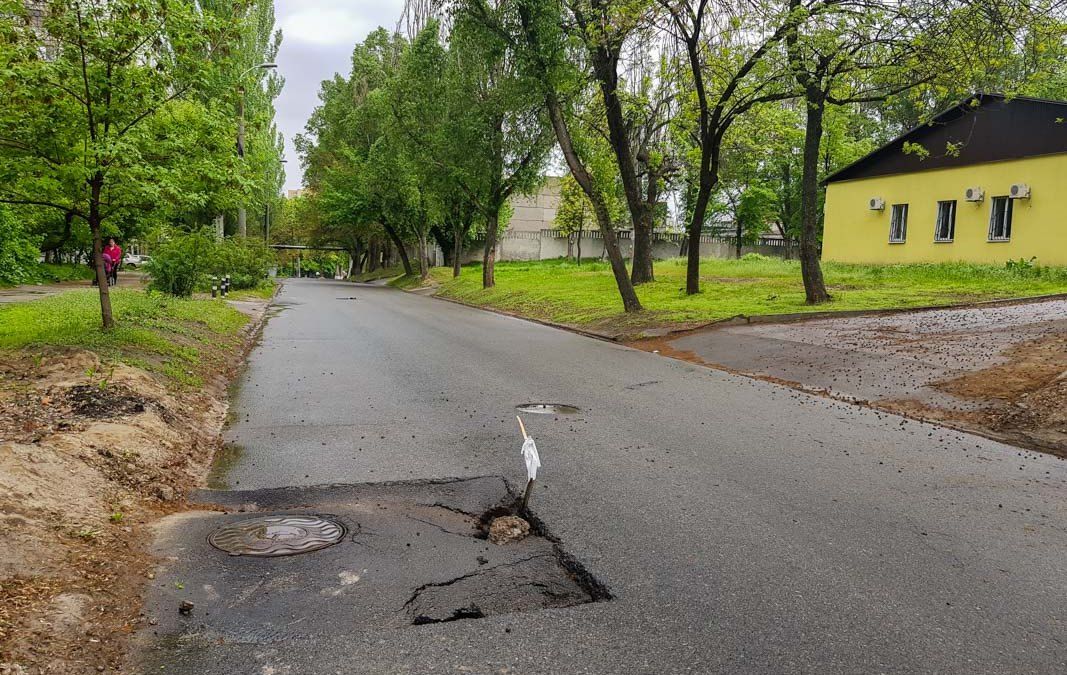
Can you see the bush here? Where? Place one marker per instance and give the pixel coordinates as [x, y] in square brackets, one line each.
[245, 260]
[750, 257]
[180, 264]
[18, 251]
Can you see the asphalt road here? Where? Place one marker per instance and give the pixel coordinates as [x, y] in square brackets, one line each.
[740, 526]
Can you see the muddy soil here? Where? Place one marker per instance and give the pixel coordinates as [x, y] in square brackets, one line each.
[996, 371]
[91, 454]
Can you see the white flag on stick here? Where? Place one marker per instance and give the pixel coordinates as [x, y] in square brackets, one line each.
[533, 460]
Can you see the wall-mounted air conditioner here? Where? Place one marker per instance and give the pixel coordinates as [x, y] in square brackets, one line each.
[1019, 191]
[974, 194]
[876, 204]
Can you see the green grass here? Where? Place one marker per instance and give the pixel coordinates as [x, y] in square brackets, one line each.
[561, 291]
[265, 291]
[380, 273]
[53, 273]
[49, 273]
[182, 339]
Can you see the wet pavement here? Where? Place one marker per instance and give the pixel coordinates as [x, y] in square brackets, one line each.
[739, 526]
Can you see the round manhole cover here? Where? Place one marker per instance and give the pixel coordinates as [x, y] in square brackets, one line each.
[272, 536]
[548, 408]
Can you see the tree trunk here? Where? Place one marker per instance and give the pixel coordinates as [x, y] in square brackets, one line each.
[811, 270]
[457, 248]
[399, 244]
[492, 224]
[374, 255]
[696, 227]
[641, 266]
[578, 257]
[630, 302]
[444, 241]
[424, 256]
[96, 186]
[738, 231]
[605, 66]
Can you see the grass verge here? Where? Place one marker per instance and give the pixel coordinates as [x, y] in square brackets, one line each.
[182, 339]
[563, 292]
[381, 273]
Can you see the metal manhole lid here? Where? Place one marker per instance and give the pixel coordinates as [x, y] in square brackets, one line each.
[273, 536]
[548, 408]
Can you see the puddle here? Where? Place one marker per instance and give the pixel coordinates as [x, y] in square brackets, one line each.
[274, 536]
[548, 409]
[225, 459]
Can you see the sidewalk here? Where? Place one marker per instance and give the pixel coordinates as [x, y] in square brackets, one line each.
[28, 292]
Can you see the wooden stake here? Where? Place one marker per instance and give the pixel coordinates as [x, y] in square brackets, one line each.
[522, 427]
[526, 496]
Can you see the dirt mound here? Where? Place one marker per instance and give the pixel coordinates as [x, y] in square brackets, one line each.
[90, 453]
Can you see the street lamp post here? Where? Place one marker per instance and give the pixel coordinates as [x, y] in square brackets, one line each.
[242, 218]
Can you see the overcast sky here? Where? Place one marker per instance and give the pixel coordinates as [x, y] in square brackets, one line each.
[318, 36]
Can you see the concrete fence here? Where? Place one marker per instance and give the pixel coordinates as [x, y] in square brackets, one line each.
[550, 244]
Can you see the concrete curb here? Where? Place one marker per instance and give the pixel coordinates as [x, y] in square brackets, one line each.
[739, 319]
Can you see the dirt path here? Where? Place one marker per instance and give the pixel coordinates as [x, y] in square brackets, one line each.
[1000, 371]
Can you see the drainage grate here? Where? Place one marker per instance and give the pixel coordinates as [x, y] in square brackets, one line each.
[272, 536]
[548, 408]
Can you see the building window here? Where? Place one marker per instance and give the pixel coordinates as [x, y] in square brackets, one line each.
[945, 229]
[1000, 219]
[898, 224]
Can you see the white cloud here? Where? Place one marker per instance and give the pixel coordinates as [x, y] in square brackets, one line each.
[325, 26]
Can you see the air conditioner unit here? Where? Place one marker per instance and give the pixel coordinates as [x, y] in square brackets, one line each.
[876, 204]
[1019, 191]
[974, 194]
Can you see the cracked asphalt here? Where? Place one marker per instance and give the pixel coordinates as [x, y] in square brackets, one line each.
[739, 525]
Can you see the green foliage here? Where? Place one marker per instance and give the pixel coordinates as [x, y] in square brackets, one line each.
[18, 251]
[180, 264]
[245, 260]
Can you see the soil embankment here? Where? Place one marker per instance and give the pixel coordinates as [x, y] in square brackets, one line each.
[92, 452]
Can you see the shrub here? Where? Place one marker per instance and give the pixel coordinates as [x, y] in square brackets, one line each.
[245, 260]
[18, 251]
[180, 264]
[752, 257]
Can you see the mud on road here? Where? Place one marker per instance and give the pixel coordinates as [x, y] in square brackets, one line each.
[1000, 371]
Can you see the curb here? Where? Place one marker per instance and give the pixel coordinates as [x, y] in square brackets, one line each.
[739, 319]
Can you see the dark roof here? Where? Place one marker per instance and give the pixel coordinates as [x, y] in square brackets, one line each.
[982, 128]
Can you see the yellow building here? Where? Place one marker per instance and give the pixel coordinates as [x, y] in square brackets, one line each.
[985, 181]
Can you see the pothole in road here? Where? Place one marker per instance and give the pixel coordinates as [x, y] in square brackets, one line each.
[273, 536]
[548, 409]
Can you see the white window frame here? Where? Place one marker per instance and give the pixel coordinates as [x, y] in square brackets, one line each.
[951, 204]
[1005, 222]
[898, 225]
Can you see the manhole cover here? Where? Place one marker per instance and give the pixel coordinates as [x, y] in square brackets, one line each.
[548, 408]
[272, 536]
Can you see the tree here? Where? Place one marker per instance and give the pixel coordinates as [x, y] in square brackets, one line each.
[728, 50]
[573, 214]
[545, 52]
[499, 137]
[636, 119]
[88, 93]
